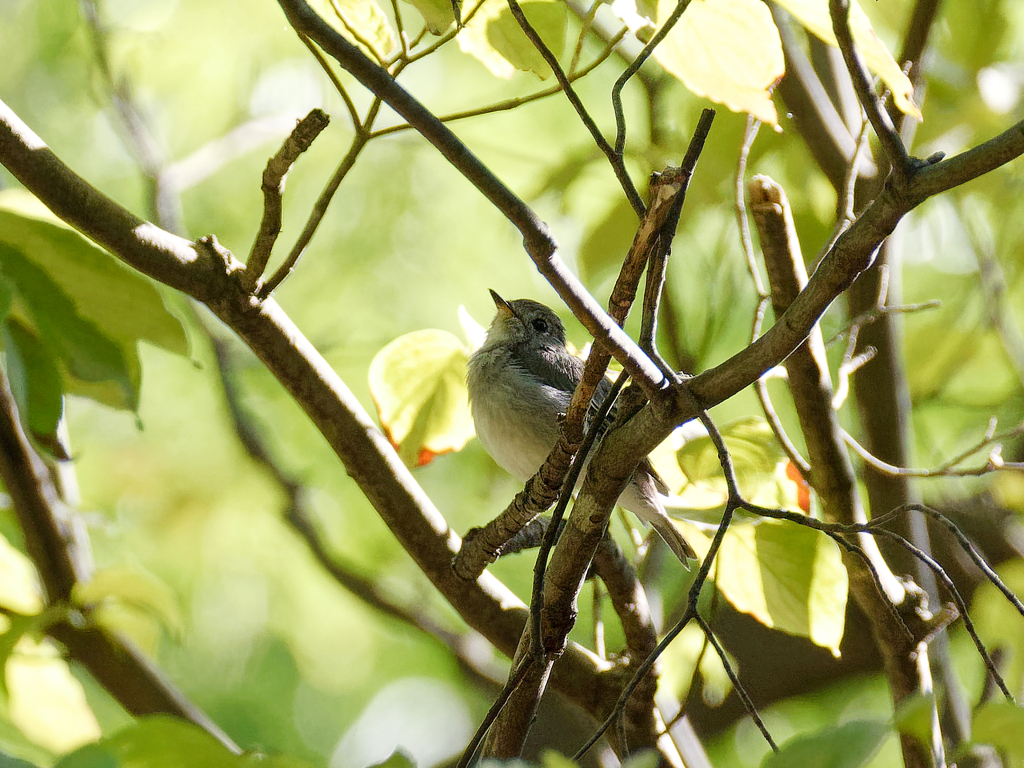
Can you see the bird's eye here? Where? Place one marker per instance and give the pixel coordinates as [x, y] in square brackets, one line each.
[540, 325]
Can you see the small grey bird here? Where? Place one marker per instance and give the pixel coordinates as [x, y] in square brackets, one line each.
[520, 381]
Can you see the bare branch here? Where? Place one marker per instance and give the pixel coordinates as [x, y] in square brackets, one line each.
[273, 189]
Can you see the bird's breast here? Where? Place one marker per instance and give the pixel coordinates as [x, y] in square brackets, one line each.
[515, 414]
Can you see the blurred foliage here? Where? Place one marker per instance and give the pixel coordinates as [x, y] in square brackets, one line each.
[196, 560]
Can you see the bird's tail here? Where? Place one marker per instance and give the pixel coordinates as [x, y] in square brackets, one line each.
[679, 546]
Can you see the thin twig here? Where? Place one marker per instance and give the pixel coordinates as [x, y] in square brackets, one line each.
[568, 486]
[633, 68]
[734, 501]
[948, 468]
[961, 604]
[514, 681]
[359, 141]
[339, 86]
[518, 101]
[615, 158]
[892, 145]
[274, 174]
[588, 22]
[748, 703]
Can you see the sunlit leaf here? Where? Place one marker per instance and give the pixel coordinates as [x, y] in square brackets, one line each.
[1001, 724]
[19, 582]
[131, 587]
[814, 15]
[786, 576]
[19, 627]
[726, 50]
[756, 456]
[850, 745]
[438, 15]
[46, 702]
[418, 383]
[361, 21]
[495, 38]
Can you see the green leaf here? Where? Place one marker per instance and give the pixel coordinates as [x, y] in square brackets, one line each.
[645, 758]
[19, 627]
[548, 18]
[850, 745]
[36, 384]
[90, 756]
[418, 383]
[1000, 724]
[86, 352]
[756, 455]
[438, 15]
[495, 38]
[786, 576]
[397, 759]
[132, 587]
[679, 659]
[6, 761]
[162, 741]
[549, 758]
[914, 717]
[361, 21]
[998, 623]
[125, 305]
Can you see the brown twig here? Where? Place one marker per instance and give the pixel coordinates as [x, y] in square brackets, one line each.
[274, 174]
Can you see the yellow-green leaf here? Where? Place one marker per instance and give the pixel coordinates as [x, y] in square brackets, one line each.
[1001, 724]
[726, 50]
[786, 576]
[438, 15]
[46, 702]
[361, 21]
[814, 15]
[850, 745]
[133, 588]
[19, 582]
[756, 456]
[418, 383]
[495, 38]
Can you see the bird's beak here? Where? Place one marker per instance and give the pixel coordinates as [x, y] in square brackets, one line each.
[504, 308]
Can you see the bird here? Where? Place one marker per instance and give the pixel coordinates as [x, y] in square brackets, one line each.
[520, 382]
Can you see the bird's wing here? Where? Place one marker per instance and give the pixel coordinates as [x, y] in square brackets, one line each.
[561, 371]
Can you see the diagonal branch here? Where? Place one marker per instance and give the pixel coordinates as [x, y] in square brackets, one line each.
[537, 239]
